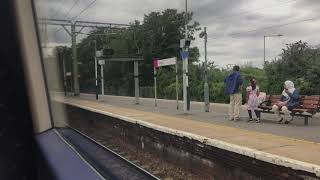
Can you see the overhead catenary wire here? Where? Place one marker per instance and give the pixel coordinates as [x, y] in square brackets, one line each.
[234, 35]
[274, 26]
[59, 9]
[75, 17]
[86, 8]
[223, 17]
[76, 2]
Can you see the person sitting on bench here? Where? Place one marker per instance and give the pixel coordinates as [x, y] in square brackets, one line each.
[289, 100]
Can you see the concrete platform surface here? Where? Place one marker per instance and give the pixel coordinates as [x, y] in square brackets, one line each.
[218, 115]
[294, 149]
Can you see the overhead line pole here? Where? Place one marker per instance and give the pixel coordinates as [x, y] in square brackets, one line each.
[75, 67]
[73, 33]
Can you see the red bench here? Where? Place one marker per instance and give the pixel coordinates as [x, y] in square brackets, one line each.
[309, 106]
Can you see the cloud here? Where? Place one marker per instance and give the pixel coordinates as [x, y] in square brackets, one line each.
[223, 19]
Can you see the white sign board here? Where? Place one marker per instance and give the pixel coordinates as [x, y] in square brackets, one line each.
[167, 62]
[101, 62]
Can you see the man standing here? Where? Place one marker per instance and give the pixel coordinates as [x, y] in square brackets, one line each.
[233, 84]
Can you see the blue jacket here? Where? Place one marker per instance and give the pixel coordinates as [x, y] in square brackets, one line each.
[293, 101]
[232, 83]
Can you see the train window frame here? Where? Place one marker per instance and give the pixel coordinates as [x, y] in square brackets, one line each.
[33, 65]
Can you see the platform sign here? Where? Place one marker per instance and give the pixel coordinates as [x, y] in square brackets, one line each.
[184, 54]
[167, 62]
[102, 62]
[164, 62]
[160, 63]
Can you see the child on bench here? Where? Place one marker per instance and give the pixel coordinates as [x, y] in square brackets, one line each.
[252, 98]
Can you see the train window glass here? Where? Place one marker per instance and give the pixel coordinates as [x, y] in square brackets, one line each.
[113, 64]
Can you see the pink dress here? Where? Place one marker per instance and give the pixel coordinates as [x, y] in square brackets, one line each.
[253, 101]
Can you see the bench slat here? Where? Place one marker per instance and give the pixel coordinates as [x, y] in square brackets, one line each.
[309, 106]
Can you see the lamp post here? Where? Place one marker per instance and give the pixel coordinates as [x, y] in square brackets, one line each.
[264, 45]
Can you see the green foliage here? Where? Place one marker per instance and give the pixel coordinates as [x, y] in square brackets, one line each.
[298, 63]
[158, 36]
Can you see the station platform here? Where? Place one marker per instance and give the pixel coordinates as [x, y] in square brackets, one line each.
[277, 148]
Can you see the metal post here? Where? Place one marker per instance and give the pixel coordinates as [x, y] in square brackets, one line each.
[75, 61]
[206, 86]
[184, 78]
[136, 81]
[177, 85]
[102, 80]
[155, 85]
[264, 50]
[186, 100]
[46, 41]
[64, 77]
[96, 69]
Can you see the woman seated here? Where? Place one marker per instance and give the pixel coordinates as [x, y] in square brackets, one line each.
[289, 100]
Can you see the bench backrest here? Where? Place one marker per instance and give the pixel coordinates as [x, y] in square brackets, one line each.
[267, 97]
[301, 100]
[311, 102]
[306, 102]
[318, 109]
[274, 99]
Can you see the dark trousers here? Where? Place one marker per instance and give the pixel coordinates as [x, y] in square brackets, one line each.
[256, 112]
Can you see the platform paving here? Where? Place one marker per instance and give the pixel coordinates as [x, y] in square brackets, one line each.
[287, 141]
[218, 115]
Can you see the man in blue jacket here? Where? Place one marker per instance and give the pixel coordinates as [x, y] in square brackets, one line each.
[233, 85]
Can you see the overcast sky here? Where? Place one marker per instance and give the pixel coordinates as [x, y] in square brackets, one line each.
[235, 27]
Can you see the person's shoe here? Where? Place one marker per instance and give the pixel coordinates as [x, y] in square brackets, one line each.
[258, 120]
[288, 121]
[236, 119]
[231, 119]
[280, 121]
[250, 119]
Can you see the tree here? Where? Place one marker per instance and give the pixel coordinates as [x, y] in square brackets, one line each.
[157, 36]
[298, 63]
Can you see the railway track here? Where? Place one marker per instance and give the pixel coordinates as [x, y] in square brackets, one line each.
[149, 161]
[110, 164]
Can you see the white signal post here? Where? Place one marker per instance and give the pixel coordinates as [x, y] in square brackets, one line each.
[102, 62]
[177, 86]
[155, 84]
